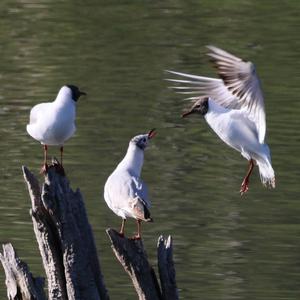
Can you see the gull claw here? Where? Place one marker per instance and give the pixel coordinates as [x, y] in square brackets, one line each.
[244, 187]
[136, 237]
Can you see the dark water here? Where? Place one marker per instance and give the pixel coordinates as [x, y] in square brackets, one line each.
[225, 247]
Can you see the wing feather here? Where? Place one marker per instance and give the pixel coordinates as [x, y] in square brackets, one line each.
[139, 189]
[238, 88]
[205, 86]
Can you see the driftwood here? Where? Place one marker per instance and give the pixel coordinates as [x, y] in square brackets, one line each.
[19, 281]
[65, 238]
[132, 256]
[68, 251]
[166, 268]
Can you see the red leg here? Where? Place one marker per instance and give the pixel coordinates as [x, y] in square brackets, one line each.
[122, 228]
[59, 166]
[245, 183]
[138, 236]
[45, 166]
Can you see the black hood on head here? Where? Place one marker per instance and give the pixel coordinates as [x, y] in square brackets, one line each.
[76, 93]
[200, 107]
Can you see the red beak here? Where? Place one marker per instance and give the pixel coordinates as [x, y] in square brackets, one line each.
[151, 133]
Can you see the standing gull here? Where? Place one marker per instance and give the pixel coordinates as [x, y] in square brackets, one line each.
[124, 192]
[233, 106]
[53, 123]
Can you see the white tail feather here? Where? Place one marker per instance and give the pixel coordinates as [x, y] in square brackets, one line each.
[267, 175]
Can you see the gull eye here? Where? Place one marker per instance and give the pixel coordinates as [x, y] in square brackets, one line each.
[144, 140]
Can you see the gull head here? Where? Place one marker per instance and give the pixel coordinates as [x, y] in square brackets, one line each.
[141, 140]
[200, 106]
[75, 92]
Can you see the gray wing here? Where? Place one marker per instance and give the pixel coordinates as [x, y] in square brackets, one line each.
[238, 88]
[121, 187]
[139, 189]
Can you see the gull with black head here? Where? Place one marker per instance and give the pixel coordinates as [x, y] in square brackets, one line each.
[233, 106]
[124, 192]
[53, 123]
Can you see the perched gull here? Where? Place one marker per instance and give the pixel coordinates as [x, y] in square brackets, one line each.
[52, 123]
[233, 106]
[124, 192]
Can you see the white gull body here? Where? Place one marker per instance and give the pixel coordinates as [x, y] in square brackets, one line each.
[236, 129]
[124, 192]
[53, 123]
[235, 109]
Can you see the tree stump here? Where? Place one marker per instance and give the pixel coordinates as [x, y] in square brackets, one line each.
[69, 254]
[21, 285]
[166, 268]
[132, 256]
[65, 238]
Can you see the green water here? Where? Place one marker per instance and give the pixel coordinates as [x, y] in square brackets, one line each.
[225, 247]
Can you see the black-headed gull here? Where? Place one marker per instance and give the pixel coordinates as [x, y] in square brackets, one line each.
[53, 123]
[233, 106]
[124, 192]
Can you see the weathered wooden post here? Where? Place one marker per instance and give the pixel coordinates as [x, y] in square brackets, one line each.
[166, 268]
[132, 256]
[69, 254]
[19, 281]
[65, 238]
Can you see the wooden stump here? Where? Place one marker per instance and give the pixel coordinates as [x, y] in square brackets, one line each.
[132, 256]
[68, 251]
[65, 238]
[21, 285]
[166, 268]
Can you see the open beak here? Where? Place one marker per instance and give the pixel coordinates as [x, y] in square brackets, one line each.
[151, 133]
[187, 113]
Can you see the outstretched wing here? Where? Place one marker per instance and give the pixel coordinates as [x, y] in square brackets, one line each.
[238, 88]
[205, 86]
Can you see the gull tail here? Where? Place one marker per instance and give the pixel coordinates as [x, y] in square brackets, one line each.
[140, 210]
[147, 216]
[266, 172]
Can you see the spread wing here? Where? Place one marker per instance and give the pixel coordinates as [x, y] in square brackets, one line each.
[238, 88]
